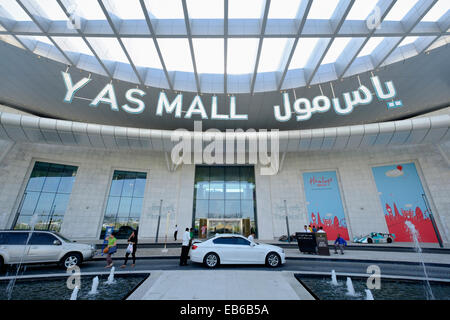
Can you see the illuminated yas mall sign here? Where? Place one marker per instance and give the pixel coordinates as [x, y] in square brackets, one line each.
[303, 108]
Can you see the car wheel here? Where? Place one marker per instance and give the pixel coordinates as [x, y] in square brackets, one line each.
[211, 260]
[71, 260]
[389, 240]
[273, 260]
[369, 240]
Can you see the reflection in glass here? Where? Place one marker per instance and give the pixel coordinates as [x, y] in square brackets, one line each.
[47, 194]
[125, 201]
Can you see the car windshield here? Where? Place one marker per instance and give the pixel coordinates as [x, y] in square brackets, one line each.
[62, 237]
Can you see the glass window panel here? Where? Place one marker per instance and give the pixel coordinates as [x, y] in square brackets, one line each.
[216, 209]
[129, 9]
[128, 184]
[112, 207]
[205, 9]
[241, 55]
[371, 45]
[29, 203]
[336, 49]
[177, 55]
[273, 51]
[60, 204]
[201, 209]
[108, 49]
[249, 9]
[52, 10]
[117, 184]
[42, 223]
[361, 9]
[23, 223]
[87, 9]
[142, 52]
[247, 190]
[136, 207]
[67, 180]
[322, 9]
[400, 9]
[17, 238]
[209, 55]
[73, 44]
[42, 239]
[202, 190]
[45, 203]
[165, 9]
[286, 9]
[438, 11]
[233, 190]
[247, 174]
[124, 207]
[15, 10]
[302, 53]
[408, 40]
[53, 178]
[37, 177]
[217, 190]
[232, 209]
[248, 209]
[139, 185]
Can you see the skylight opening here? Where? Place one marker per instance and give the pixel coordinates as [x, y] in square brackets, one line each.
[108, 49]
[205, 9]
[86, 9]
[286, 9]
[335, 50]
[14, 10]
[176, 53]
[143, 52]
[370, 46]
[128, 10]
[241, 55]
[361, 9]
[52, 10]
[305, 46]
[73, 44]
[249, 9]
[437, 11]
[322, 9]
[400, 10]
[209, 55]
[165, 9]
[408, 40]
[273, 50]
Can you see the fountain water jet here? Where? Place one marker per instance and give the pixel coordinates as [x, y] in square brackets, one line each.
[415, 235]
[94, 286]
[333, 278]
[350, 289]
[369, 295]
[74, 293]
[111, 277]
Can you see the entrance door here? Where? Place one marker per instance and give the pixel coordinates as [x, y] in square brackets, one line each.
[224, 226]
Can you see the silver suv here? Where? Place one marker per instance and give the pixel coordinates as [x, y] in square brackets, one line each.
[42, 247]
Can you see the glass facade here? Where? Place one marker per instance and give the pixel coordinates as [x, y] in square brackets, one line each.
[46, 195]
[124, 206]
[224, 200]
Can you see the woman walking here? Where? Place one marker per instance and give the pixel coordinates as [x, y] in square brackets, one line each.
[110, 249]
[132, 246]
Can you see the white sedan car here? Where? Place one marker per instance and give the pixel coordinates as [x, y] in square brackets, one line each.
[236, 249]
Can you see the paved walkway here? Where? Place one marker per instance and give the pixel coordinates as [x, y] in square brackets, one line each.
[435, 258]
[221, 285]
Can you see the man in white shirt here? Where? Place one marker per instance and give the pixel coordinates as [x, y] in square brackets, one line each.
[185, 248]
[306, 229]
[320, 230]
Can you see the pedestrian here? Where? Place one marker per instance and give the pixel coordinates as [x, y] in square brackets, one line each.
[340, 242]
[191, 235]
[309, 228]
[185, 248]
[320, 230]
[251, 237]
[306, 229]
[203, 230]
[314, 229]
[176, 232]
[131, 249]
[110, 249]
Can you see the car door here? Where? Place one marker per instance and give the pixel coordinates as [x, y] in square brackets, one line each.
[244, 251]
[226, 249]
[43, 248]
[15, 244]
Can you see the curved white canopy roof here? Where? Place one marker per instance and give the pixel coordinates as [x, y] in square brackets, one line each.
[226, 46]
